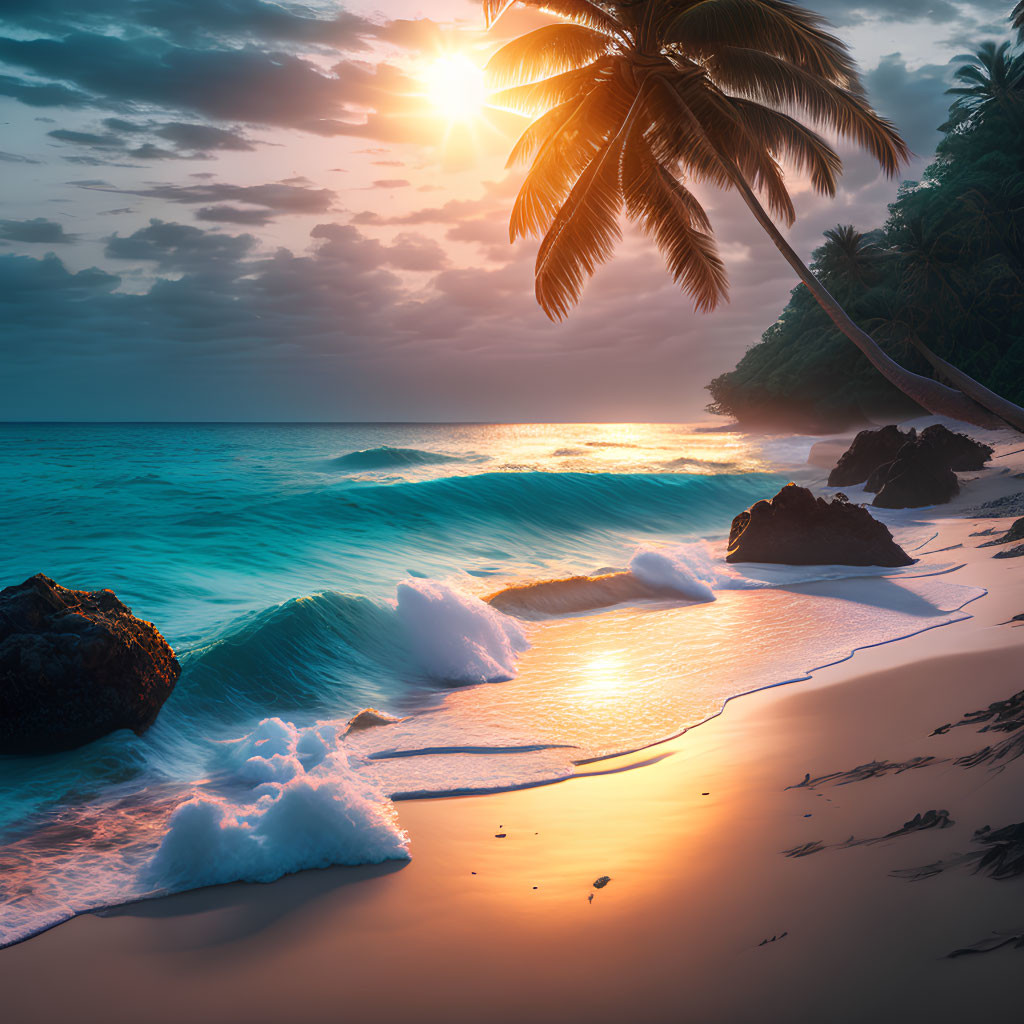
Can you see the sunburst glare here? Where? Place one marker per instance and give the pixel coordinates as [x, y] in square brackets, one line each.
[455, 86]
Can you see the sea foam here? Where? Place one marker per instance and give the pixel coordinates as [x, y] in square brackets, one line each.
[304, 807]
[456, 638]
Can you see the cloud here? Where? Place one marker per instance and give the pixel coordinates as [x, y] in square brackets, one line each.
[914, 100]
[234, 215]
[203, 137]
[277, 197]
[390, 183]
[180, 246]
[17, 158]
[38, 229]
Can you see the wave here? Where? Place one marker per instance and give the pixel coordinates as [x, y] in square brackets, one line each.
[577, 594]
[542, 502]
[333, 651]
[386, 457]
[690, 572]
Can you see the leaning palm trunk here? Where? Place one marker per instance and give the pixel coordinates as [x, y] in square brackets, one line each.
[1006, 410]
[979, 408]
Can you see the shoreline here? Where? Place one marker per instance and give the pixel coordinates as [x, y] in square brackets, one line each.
[321, 944]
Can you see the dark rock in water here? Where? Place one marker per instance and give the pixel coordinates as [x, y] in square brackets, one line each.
[869, 450]
[919, 475]
[75, 665]
[795, 528]
[962, 453]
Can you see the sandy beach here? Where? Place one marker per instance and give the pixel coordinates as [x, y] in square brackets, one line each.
[496, 917]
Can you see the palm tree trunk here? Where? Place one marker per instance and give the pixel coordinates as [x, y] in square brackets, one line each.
[1002, 407]
[930, 394]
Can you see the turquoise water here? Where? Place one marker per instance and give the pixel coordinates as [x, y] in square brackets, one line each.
[305, 572]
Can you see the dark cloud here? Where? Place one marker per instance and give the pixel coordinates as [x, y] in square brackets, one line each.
[38, 229]
[90, 139]
[277, 197]
[203, 137]
[915, 101]
[48, 95]
[180, 246]
[225, 214]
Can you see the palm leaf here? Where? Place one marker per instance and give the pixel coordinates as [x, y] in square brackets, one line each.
[668, 213]
[537, 97]
[773, 81]
[546, 51]
[583, 234]
[777, 27]
[564, 156]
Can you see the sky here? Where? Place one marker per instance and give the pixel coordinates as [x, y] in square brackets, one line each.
[246, 210]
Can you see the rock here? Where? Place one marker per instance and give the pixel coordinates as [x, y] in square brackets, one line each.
[877, 477]
[795, 528]
[869, 450]
[919, 475]
[962, 453]
[1015, 552]
[75, 665]
[1015, 532]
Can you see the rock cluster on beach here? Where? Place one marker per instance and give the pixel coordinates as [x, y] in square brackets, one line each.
[908, 470]
[74, 666]
[796, 528]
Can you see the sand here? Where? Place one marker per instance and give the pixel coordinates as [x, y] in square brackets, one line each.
[691, 834]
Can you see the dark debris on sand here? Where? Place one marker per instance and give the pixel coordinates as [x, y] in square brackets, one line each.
[871, 770]
[774, 938]
[1001, 856]
[1004, 716]
[918, 823]
[998, 940]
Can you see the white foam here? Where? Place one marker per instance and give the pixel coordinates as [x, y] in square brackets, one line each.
[455, 637]
[307, 808]
[697, 569]
[685, 568]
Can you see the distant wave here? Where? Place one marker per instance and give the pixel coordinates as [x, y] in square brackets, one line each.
[540, 502]
[386, 457]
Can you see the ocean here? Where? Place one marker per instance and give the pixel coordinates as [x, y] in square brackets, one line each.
[306, 572]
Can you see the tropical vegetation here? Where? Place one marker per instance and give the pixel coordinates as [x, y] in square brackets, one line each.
[637, 97]
[940, 283]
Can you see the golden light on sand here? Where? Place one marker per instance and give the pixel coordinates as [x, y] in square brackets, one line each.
[455, 86]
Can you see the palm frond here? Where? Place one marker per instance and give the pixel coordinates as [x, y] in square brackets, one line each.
[546, 51]
[583, 234]
[767, 79]
[565, 154]
[537, 97]
[669, 213]
[783, 29]
[786, 137]
[538, 130]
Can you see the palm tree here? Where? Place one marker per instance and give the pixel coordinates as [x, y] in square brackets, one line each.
[636, 93]
[848, 256]
[1018, 20]
[991, 77]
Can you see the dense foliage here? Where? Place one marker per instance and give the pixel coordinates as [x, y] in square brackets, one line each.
[946, 271]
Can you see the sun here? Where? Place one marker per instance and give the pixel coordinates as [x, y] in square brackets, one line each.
[455, 87]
